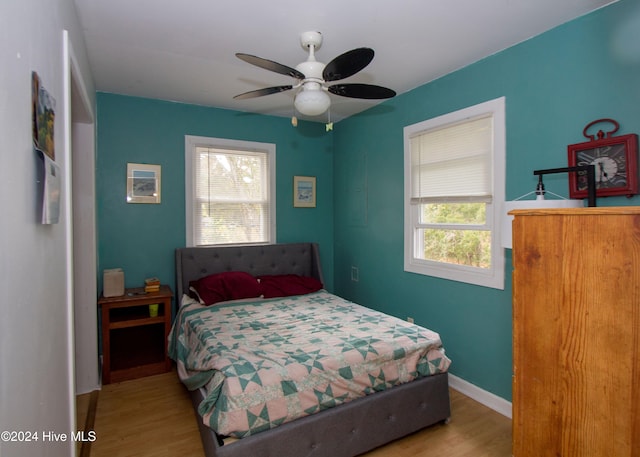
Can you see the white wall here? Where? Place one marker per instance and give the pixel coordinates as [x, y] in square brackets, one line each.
[36, 360]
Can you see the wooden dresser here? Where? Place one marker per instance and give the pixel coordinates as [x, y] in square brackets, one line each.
[576, 332]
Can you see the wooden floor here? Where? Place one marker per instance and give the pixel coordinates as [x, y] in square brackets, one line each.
[153, 417]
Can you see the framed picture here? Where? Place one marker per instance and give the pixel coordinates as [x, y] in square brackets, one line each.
[143, 183]
[304, 191]
[616, 166]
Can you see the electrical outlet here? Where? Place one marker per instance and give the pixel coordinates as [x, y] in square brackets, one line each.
[410, 320]
[355, 274]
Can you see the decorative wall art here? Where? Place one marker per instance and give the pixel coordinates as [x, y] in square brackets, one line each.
[43, 108]
[304, 191]
[143, 183]
[48, 172]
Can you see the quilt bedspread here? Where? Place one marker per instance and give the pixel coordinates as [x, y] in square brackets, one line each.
[268, 362]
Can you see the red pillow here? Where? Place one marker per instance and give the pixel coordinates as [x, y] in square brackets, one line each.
[286, 285]
[231, 285]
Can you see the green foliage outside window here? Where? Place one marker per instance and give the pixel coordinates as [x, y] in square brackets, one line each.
[460, 245]
[232, 205]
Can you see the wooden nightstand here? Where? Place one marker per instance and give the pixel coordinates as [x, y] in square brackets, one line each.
[134, 343]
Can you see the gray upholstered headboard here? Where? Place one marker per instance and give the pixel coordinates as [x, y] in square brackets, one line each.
[273, 259]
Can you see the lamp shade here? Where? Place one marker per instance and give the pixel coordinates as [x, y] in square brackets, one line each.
[312, 102]
[530, 204]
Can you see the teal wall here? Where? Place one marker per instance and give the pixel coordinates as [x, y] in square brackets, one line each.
[141, 238]
[554, 85]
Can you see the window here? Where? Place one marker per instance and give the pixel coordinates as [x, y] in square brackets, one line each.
[230, 192]
[454, 185]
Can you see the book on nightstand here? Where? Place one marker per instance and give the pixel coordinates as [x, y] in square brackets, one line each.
[151, 285]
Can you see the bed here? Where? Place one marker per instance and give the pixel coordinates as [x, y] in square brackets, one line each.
[348, 429]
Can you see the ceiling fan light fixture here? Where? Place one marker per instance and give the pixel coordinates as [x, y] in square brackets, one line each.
[312, 101]
[312, 77]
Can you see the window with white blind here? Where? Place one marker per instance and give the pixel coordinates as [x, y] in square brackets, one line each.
[454, 186]
[230, 192]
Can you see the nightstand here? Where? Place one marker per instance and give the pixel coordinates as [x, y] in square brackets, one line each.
[134, 339]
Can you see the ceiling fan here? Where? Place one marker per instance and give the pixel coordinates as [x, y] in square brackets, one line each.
[312, 77]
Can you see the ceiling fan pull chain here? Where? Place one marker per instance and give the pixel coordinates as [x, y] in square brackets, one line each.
[329, 126]
[294, 119]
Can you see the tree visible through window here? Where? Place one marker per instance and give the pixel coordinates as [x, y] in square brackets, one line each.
[231, 194]
[461, 246]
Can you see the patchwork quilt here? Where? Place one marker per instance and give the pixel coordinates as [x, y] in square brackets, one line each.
[267, 362]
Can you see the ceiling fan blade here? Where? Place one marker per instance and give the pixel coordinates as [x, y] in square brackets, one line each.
[270, 65]
[261, 92]
[347, 64]
[367, 91]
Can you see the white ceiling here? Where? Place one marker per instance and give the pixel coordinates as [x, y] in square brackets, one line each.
[185, 50]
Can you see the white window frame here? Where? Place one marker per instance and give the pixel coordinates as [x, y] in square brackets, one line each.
[489, 277]
[191, 142]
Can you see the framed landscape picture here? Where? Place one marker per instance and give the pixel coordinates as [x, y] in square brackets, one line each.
[304, 191]
[143, 183]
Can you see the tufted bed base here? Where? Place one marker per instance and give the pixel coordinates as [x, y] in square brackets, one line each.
[344, 431]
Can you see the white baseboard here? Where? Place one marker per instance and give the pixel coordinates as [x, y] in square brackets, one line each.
[488, 399]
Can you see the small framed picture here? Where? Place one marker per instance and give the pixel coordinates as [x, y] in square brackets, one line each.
[143, 183]
[304, 191]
